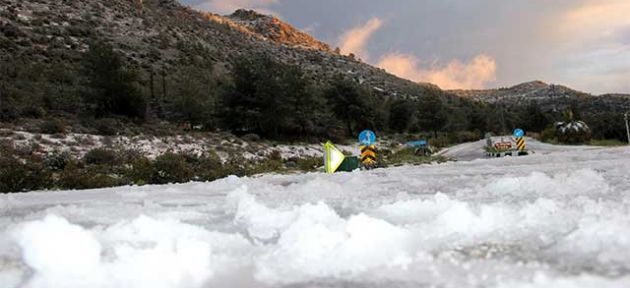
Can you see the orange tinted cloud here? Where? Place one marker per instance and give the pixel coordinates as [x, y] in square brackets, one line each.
[596, 24]
[599, 16]
[454, 75]
[355, 39]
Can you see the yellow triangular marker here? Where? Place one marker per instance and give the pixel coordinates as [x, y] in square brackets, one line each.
[332, 157]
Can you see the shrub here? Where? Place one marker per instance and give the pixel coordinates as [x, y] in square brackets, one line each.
[274, 155]
[548, 135]
[100, 156]
[251, 137]
[265, 166]
[33, 111]
[20, 176]
[52, 126]
[57, 161]
[439, 142]
[574, 132]
[139, 171]
[171, 168]
[465, 136]
[210, 168]
[75, 176]
[310, 163]
[107, 126]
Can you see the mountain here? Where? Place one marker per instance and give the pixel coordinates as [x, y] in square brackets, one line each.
[178, 64]
[268, 27]
[549, 97]
[154, 34]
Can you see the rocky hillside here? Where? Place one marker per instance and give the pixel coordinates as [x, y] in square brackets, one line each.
[548, 96]
[159, 33]
[268, 27]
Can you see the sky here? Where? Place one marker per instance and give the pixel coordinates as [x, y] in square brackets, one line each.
[465, 44]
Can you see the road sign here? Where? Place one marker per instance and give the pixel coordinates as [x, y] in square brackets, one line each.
[368, 156]
[367, 138]
[520, 144]
[332, 158]
[419, 143]
[519, 133]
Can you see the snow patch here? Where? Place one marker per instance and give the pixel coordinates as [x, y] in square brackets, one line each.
[581, 182]
[142, 253]
[53, 246]
[319, 244]
[491, 223]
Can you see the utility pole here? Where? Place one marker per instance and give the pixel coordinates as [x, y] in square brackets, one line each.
[625, 116]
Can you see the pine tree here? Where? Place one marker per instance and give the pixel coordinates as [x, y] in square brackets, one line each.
[114, 87]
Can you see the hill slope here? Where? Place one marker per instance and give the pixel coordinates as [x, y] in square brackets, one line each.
[154, 33]
[548, 97]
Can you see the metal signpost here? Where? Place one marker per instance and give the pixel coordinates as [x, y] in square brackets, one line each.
[520, 139]
[367, 141]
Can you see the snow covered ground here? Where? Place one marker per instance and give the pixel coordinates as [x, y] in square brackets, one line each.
[556, 219]
[475, 150]
[151, 146]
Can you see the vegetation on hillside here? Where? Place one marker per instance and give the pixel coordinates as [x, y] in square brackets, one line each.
[259, 96]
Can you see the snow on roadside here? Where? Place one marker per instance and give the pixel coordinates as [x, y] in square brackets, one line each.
[556, 220]
[223, 144]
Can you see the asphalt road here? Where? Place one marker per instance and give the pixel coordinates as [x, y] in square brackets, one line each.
[475, 150]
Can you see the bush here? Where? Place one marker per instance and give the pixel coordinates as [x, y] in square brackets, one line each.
[575, 132]
[465, 136]
[57, 161]
[76, 177]
[100, 156]
[251, 137]
[171, 168]
[139, 171]
[265, 166]
[210, 168]
[406, 156]
[33, 112]
[548, 135]
[20, 176]
[310, 163]
[52, 126]
[107, 126]
[439, 142]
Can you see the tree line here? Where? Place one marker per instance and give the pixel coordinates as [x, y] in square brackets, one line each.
[259, 95]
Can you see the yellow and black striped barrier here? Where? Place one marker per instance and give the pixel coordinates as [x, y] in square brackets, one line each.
[520, 144]
[368, 155]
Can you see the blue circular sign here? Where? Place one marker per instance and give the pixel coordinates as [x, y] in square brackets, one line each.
[367, 137]
[519, 133]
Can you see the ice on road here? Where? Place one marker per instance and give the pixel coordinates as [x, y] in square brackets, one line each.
[556, 219]
[476, 150]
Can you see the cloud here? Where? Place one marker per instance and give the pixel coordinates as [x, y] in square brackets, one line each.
[595, 46]
[599, 18]
[229, 6]
[356, 39]
[455, 75]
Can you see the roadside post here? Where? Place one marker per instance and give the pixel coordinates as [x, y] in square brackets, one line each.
[625, 116]
[367, 145]
[520, 139]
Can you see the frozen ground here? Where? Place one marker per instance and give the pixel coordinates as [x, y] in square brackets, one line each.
[475, 150]
[556, 219]
[225, 145]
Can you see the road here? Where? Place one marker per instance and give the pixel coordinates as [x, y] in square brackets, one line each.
[475, 150]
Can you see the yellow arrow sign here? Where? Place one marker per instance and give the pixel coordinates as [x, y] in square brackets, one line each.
[332, 157]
